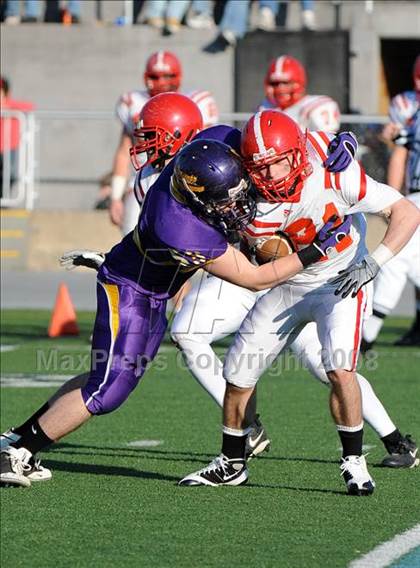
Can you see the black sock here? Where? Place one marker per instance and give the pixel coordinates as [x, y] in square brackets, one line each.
[33, 439]
[392, 441]
[23, 427]
[233, 446]
[351, 442]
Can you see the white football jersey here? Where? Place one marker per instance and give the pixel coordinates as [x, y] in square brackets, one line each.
[129, 107]
[130, 104]
[312, 112]
[207, 105]
[323, 195]
[145, 178]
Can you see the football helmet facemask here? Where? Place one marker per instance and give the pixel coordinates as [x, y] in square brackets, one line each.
[167, 122]
[285, 81]
[210, 179]
[270, 137]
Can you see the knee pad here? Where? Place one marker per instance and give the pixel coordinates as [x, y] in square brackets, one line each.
[110, 395]
[182, 340]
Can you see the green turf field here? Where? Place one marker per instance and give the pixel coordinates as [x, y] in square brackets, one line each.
[112, 504]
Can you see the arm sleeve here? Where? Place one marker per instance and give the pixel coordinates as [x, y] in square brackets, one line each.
[363, 194]
[202, 251]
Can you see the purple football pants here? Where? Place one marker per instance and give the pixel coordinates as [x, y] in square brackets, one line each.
[129, 328]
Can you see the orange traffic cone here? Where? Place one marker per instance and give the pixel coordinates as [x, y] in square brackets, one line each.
[63, 319]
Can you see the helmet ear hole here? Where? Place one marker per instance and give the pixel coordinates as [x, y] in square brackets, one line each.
[177, 134]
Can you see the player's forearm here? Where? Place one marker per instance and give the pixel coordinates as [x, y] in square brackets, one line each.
[234, 267]
[119, 174]
[275, 272]
[396, 167]
[266, 276]
[403, 222]
[121, 163]
[122, 157]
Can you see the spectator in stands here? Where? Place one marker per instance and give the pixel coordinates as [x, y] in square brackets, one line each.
[9, 132]
[234, 23]
[201, 15]
[68, 13]
[273, 14]
[232, 26]
[31, 12]
[166, 15]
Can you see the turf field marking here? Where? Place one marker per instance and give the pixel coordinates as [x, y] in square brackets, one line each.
[145, 443]
[386, 553]
[6, 348]
[33, 381]
[365, 447]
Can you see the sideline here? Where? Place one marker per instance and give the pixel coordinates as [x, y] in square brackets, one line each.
[386, 553]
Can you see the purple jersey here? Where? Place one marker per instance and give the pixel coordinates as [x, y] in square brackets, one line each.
[168, 245]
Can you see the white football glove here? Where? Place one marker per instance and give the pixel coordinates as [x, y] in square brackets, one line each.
[89, 258]
[353, 278]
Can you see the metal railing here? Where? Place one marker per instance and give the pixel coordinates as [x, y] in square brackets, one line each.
[18, 160]
[35, 132]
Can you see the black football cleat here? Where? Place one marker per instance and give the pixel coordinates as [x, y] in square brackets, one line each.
[411, 338]
[405, 454]
[221, 471]
[257, 440]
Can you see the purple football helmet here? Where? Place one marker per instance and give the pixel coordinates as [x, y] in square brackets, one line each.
[210, 178]
[224, 133]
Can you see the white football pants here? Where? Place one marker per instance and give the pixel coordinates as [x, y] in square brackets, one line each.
[214, 309]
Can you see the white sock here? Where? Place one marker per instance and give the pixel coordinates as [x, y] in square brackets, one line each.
[371, 328]
[206, 368]
[373, 410]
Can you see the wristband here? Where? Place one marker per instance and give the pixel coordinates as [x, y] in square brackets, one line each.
[118, 185]
[382, 254]
[309, 255]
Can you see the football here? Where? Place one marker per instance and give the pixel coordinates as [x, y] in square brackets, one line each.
[275, 247]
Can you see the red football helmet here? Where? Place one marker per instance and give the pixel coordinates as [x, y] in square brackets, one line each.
[269, 137]
[167, 122]
[163, 73]
[416, 74]
[285, 82]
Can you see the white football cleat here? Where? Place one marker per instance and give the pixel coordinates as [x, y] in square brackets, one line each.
[221, 471]
[32, 469]
[14, 464]
[38, 472]
[356, 475]
[7, 438]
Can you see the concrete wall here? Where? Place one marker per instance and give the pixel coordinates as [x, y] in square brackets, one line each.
[86, 67]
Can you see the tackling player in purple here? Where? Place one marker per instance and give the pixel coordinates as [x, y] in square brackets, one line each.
[186, 221]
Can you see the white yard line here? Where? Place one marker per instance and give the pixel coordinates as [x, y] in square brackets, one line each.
[145, 443]
[34, 381]
[7, 348]
[386, 553]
